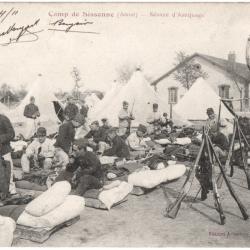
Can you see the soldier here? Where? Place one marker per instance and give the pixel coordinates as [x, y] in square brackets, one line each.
[154, 119]
[41, 152]
[125, 119]
[7, 134]
[31, 112]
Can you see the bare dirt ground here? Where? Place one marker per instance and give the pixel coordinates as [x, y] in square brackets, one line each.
[140, 222]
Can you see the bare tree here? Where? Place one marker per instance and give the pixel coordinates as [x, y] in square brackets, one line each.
[189, 71]
[76, 76]
[21, 92]
[125, 71]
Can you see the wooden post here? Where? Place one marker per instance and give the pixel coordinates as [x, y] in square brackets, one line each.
[171, 110]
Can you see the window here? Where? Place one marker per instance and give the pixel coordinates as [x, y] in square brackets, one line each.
[224, 91]
[172, 95]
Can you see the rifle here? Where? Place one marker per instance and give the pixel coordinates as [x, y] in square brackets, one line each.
[240, 134]
[220, 176]
[231, 190]
[215, 190]
[243, 157]
[173, 209]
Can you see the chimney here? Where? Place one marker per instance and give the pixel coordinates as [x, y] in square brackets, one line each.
[231, 61]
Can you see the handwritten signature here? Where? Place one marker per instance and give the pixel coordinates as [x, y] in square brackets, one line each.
[22, 31]
[68, 26]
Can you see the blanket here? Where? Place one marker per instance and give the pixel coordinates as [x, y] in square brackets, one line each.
[71, 207]
[152, 178]
[49, 200]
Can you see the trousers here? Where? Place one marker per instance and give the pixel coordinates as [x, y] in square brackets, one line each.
[12, 187]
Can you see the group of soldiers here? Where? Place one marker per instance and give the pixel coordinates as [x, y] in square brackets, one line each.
[78, 159]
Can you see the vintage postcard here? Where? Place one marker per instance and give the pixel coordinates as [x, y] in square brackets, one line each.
[124, 124]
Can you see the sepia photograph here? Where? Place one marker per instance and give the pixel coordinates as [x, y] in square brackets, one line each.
[124, 124]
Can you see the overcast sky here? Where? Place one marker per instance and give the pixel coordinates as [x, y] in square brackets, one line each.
[146, 40]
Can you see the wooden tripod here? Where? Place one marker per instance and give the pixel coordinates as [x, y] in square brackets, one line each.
[206, 145]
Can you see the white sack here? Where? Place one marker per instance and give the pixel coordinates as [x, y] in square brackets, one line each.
[116, 194]
[163, 141]
[183, 141]
[107, 159]
[69, 209]
[49, 200]
[152, 178]
[7, 228]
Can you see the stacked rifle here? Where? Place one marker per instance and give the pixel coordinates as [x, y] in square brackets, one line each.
[207, 149]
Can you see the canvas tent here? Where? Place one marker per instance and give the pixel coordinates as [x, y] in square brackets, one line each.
[92, 100]
[42, 90]
[194, 104]
[140, 96]
[3, 109]
[107, 99]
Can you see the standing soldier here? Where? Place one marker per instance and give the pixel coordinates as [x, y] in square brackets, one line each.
[31, 112]
[125, 119]
[7, 134]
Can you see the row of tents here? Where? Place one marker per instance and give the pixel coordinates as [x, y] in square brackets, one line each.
[138, 92]
[141, 95]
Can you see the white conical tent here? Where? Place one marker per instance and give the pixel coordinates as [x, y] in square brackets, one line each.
[140, 96]
[96, 112]
[194, 104]
[44, 97]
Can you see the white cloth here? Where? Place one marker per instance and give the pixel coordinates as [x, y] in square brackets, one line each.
[31, 126]
[60, 159]
[71, 207]
[123, 118]
[47, 148]
[7, 228]
[12, 187]
[49, 200]
[116, 194]
[25, 163]
[152, 178]
[135, 142]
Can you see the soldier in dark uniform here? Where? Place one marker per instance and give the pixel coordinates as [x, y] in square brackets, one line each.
[31, 112]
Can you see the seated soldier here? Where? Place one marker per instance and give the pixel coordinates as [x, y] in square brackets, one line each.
[154, 119]
[212, 121]
[105, 125]
[96, 135]
[166, 124]
[119, 148]
[220, 143]
[84, 170]
[40, 152]
[136, 140]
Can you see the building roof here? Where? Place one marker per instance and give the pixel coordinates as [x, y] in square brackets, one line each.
[241, 70]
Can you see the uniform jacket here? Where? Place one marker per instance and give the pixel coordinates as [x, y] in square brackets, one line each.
[119, 148]
[7, 134]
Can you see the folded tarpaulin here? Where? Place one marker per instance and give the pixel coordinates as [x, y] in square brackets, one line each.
[30, 185]
[12, 211]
